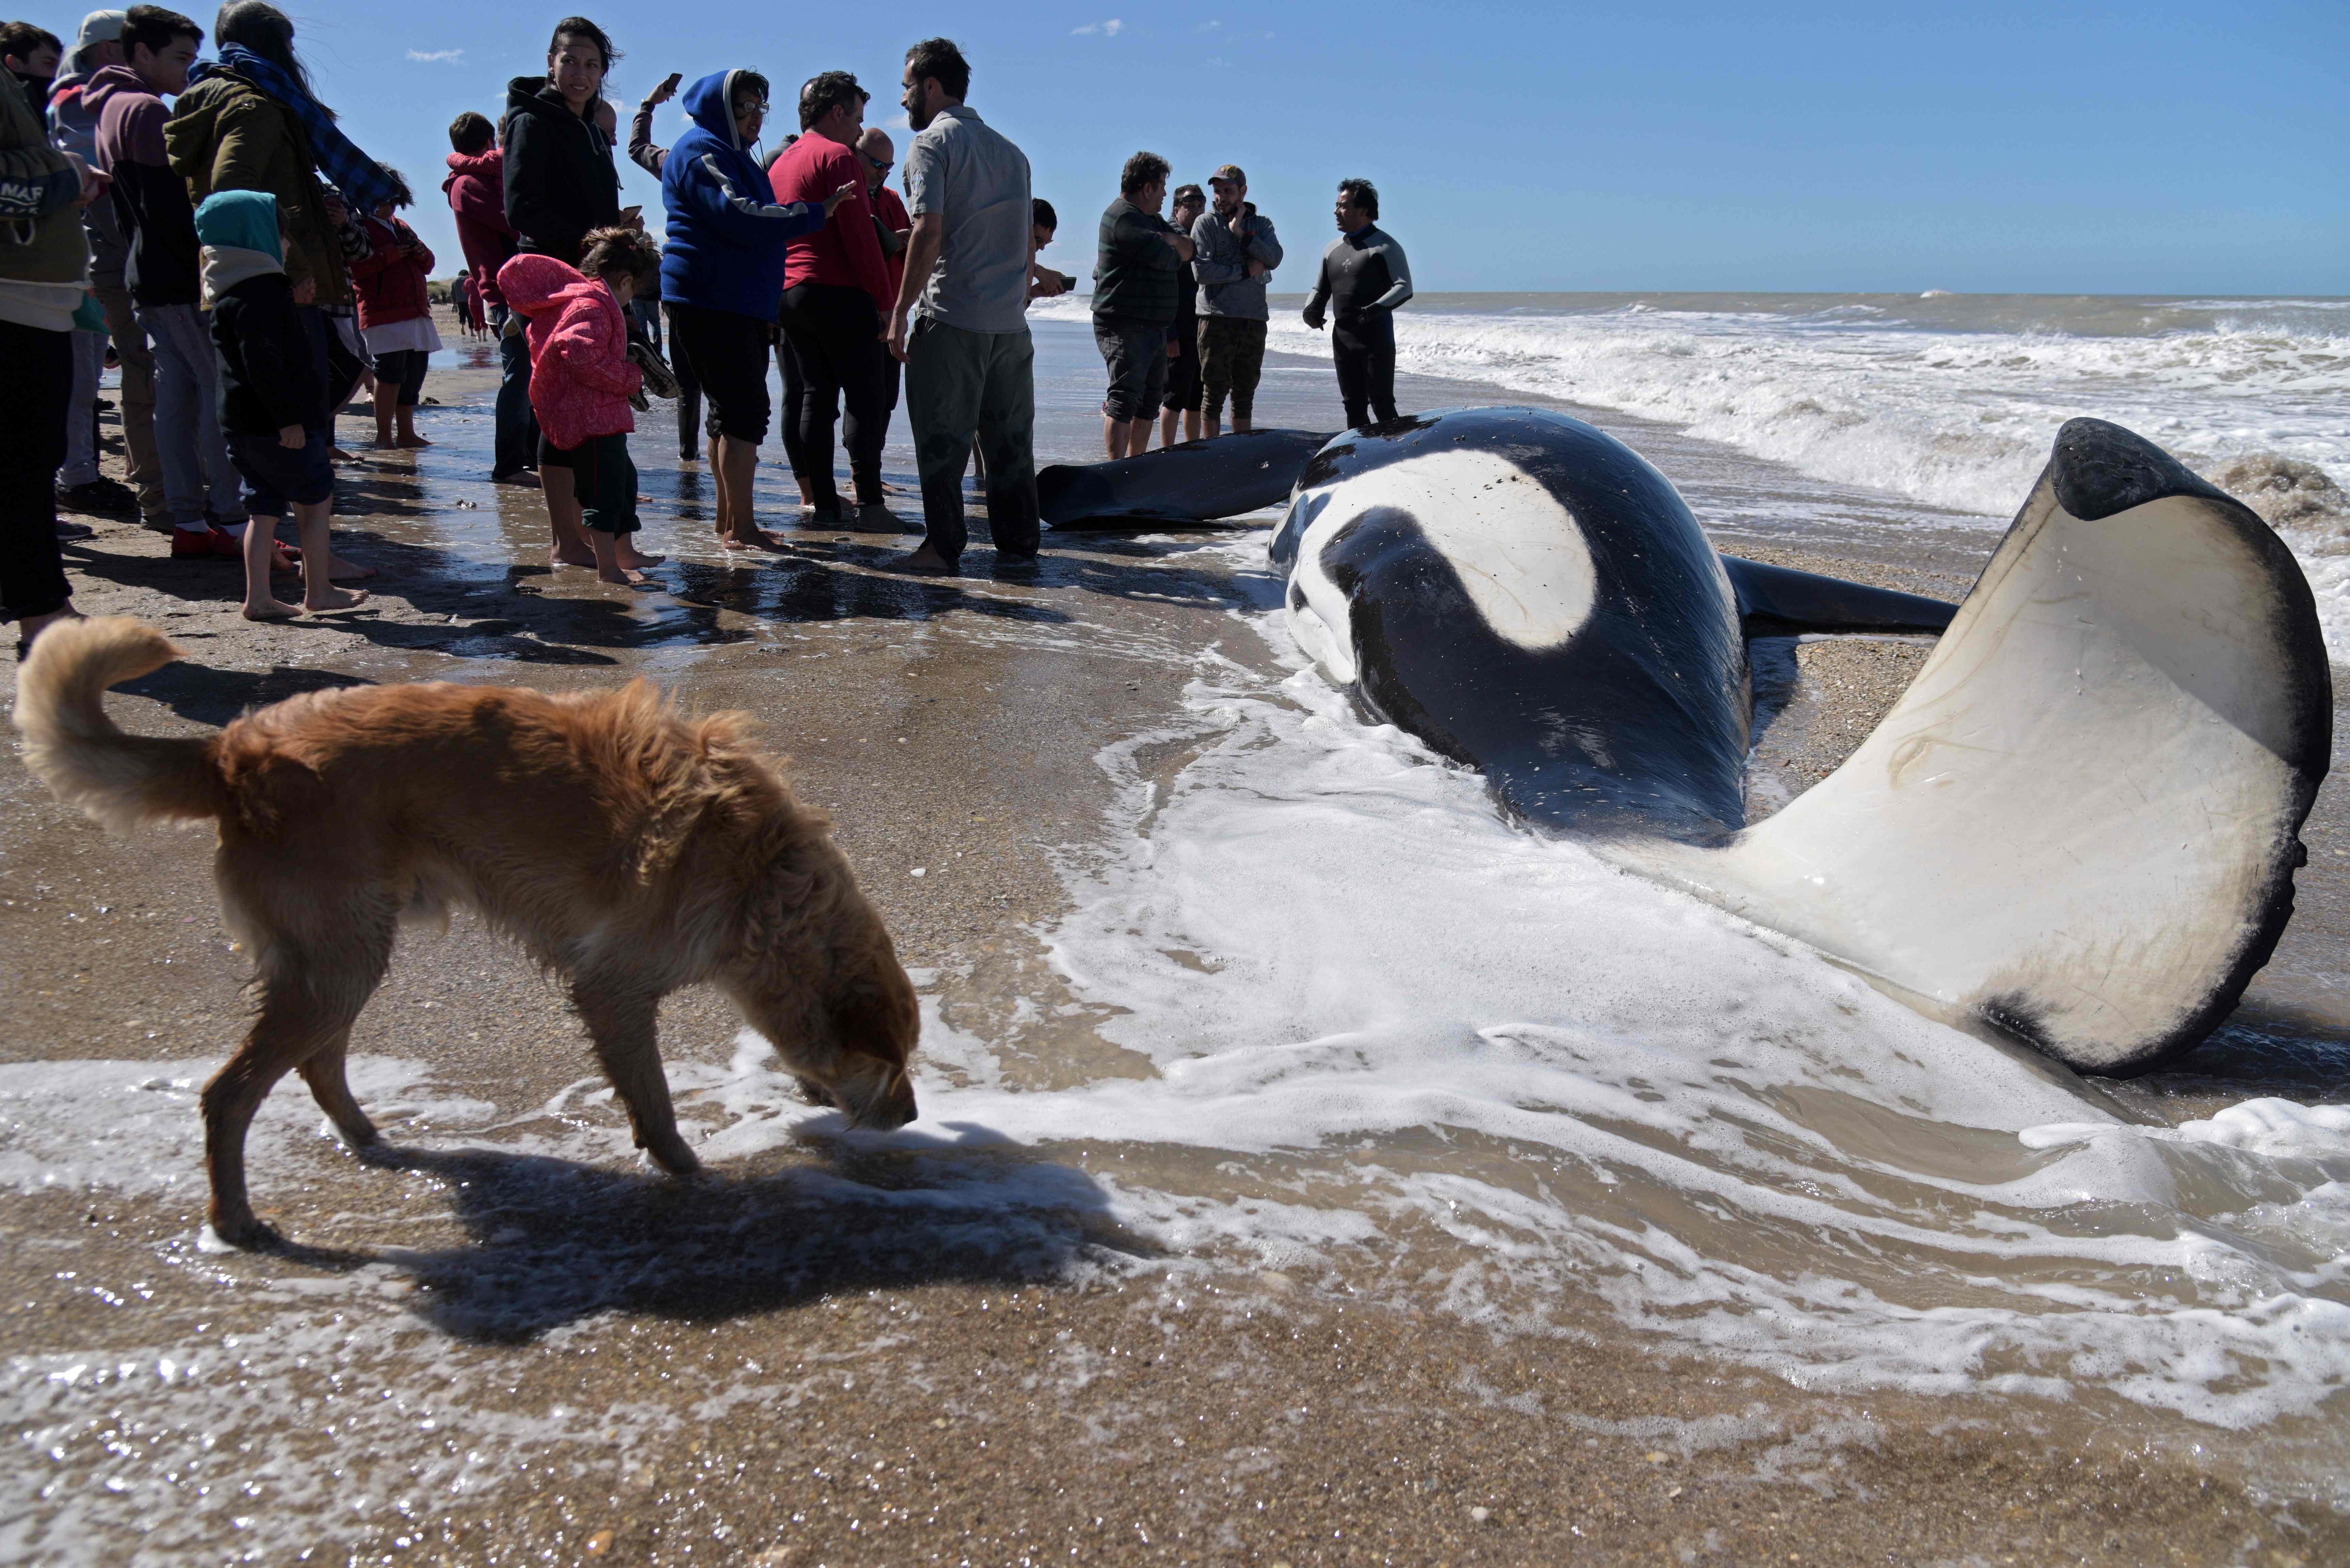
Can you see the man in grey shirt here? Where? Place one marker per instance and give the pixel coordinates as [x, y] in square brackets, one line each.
[971, 368]
[1237, 247]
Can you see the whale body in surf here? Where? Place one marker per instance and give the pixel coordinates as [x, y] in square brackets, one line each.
[2077, 828]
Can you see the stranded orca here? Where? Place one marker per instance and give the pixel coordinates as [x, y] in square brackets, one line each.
[2078, 828]
[1179, 486]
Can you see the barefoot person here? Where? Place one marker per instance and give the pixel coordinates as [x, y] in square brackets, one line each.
[1137, 278]
[1181, 402]
[1364, 277]
[581, 378]
[723, 277]
[273, 399]
[396, 316]
[560, 182]
[970, 366]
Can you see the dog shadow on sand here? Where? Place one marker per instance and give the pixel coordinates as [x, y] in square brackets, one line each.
[554, 1240]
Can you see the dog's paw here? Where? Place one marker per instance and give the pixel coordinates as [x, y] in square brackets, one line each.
[252, 1236]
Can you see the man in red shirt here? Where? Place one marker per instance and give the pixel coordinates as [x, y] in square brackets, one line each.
[476, 189]
[836, 293]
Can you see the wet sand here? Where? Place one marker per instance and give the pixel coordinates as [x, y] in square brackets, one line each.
[465, 1359]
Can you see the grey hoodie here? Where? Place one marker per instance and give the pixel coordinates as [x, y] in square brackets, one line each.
[1221, 264]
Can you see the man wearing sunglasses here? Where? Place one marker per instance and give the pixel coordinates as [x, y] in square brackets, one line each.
[836, 293]
[878, 155]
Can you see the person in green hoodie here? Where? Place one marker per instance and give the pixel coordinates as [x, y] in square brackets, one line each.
[44, 280]
[273, 398]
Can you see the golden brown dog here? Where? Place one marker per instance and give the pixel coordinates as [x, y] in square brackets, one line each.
[631, 850]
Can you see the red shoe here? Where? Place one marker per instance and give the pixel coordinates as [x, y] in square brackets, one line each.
[187, 544]
[281, 557]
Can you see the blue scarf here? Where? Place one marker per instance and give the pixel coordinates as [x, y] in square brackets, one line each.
[346, 167]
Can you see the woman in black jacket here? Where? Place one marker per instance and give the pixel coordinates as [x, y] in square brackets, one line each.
[560, 178]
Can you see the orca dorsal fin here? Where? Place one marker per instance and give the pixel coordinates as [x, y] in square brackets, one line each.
[1779, 598]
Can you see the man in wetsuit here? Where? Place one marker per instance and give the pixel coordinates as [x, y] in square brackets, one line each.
[1364, 277]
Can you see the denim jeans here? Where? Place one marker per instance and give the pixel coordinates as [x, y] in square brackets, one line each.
[197, 472]
[517, 437]
[89, 350]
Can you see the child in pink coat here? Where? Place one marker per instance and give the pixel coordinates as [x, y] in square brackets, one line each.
[581, 379]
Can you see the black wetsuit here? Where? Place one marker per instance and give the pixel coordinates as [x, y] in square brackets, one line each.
[1364, 277]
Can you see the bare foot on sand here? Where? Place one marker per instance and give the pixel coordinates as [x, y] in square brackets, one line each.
[341, 571]
[627, 576]
[756, 539]
[629, 556]
[520, 477]
[574, 556]
[334, 598]
[274, 608]
[412, 440]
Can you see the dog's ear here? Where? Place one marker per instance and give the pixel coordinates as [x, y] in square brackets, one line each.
[876, 1020]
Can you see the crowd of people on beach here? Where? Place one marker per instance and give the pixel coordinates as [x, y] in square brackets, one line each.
[248, 271]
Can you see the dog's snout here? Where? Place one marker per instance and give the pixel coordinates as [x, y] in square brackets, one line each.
[890, 1109]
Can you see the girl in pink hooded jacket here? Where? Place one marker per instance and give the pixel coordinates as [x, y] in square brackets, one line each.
[581, 379]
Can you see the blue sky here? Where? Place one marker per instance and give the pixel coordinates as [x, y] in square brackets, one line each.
[2148, 148]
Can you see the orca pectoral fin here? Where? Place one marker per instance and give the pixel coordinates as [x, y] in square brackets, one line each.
[2081, 822]
[1779, 598]
[1196, 481]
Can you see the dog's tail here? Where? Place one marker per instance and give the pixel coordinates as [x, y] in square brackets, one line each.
[73, 747]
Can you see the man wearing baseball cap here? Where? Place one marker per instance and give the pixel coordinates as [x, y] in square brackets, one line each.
[1236, 249]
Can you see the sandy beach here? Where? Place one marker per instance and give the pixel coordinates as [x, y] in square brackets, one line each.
[504, 1340]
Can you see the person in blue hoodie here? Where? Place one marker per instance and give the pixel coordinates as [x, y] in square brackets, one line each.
[722, 275]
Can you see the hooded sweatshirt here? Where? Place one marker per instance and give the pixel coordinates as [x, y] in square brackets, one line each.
[727, 235]
[268, 377]
[559, 178]
[73, 126]
[580, 374]
[476, 189]
[390, 282]
[151, 200]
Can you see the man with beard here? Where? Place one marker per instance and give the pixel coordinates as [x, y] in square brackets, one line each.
[971, 366]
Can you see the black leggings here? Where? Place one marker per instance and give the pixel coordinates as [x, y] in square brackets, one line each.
[404, 368]
[34, 395]
[1363, 348]
[836, 333]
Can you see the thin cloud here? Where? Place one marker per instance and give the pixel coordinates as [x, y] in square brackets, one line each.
[437, 56]
[1208, 27]
[1109, 29]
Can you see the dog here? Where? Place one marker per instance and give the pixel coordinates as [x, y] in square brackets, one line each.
[630, 849]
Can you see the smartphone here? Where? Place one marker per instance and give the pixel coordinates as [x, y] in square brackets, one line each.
[671, 85]
[637, 212]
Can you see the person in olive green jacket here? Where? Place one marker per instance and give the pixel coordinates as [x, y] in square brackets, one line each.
[44, 280]
[226, 134]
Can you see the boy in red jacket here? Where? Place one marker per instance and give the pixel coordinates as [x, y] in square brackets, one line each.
[396, 315]
[581, 379]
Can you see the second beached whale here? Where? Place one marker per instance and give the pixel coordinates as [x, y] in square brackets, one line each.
[2078, 828]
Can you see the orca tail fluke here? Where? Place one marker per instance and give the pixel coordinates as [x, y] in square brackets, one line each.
[2080, 825]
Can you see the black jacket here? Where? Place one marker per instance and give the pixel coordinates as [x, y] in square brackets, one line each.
[560, 178]
[268, 376]
[1138, 276]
